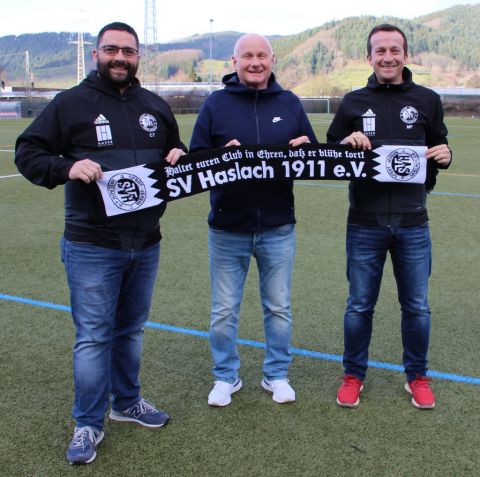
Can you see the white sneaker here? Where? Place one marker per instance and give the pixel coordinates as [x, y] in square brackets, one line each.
[221, 393]
[282, 391]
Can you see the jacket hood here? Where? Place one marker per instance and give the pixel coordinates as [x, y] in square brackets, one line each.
[233, 85]
[407, 81]
[94, 81]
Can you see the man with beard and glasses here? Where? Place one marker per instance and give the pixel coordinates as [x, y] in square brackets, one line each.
[105, 123]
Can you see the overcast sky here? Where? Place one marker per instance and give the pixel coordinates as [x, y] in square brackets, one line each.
[182, 18]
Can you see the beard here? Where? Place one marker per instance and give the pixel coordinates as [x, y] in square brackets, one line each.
[128, 74]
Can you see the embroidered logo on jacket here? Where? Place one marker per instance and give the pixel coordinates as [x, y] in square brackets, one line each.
[369, 123]
[276, 119]
[127, 191]
[402, 164]
[409, 116]
[104, 133]
[148, 123]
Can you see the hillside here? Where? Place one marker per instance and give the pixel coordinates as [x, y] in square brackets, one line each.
[328, 59]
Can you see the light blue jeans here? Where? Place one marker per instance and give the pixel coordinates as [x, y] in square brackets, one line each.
[230, 253]
[410, 249]
[110, 294]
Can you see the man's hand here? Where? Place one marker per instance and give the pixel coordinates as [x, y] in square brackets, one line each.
[357, 140]
[86, 171]
[298, 140]
[441, 154]
[174, 155]
[232, 142]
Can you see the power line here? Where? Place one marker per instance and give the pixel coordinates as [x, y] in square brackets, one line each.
[80, 56]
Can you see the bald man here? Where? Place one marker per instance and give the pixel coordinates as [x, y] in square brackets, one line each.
[251, 218]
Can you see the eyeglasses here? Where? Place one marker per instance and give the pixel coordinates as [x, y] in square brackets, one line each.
[113, 50]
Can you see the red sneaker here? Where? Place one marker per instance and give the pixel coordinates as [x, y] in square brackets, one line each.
[422, 394]
[348, 394]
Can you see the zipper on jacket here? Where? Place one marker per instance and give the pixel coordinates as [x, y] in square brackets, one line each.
[123, 100]
[257, 126]
[390, 140]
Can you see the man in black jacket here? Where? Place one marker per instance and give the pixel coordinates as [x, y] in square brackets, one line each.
[389, 217]
[251, 218]
[107, 122]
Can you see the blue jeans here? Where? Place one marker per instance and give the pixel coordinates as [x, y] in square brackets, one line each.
[274, 251]
[110, 294]
[410, 249]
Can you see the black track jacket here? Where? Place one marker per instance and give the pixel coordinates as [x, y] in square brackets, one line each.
[92, 120]
[400, 114]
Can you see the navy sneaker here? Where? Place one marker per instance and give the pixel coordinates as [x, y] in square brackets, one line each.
[143, 413]
[83, 447]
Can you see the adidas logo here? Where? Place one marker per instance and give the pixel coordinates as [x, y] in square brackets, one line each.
[101, 119]
[369, 114]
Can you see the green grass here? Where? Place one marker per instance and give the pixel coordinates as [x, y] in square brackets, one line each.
[385, 436]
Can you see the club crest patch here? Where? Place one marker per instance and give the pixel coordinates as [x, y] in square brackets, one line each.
[148, 122]
[402, 164]
[126, 191]
[409, 115]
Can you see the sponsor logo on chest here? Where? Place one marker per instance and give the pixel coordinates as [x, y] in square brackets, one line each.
[369, 123]
[408, 115]
[104, 133]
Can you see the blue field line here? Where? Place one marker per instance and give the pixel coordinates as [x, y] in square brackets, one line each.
[454, 194]
[338, 186]
[257, 344]
[318, 184]
[177, 329]
[27, 301]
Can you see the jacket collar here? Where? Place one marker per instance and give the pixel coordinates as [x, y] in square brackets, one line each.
[407, 82]
[94, 81]
[233, 85]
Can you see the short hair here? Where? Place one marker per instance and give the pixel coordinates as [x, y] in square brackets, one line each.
[119, 26]
[386, 27]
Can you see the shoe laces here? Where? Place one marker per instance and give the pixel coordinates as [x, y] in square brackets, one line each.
[142, 407]
[421, 382]
[277, 383]
[350, 381]
[81, 435]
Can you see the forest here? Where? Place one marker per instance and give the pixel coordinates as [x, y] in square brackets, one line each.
[328, 59]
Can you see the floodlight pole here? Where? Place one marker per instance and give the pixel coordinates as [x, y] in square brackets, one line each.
[28, 68]
[27, 71]
[210, 72]
[150, 38]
